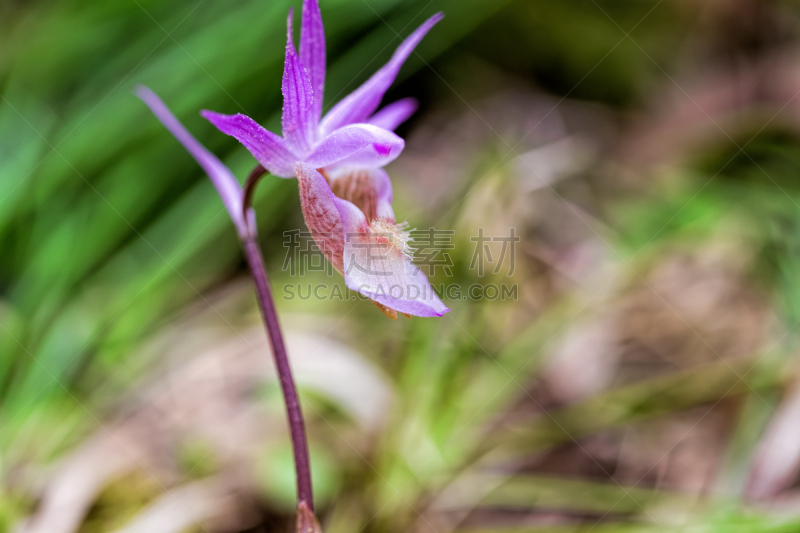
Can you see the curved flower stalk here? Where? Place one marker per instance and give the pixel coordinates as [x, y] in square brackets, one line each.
[346, 149]
[244, 219]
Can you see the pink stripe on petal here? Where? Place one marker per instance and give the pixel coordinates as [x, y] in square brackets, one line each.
[383, 150]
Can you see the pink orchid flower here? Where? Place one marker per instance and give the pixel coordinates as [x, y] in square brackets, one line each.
[346, 195]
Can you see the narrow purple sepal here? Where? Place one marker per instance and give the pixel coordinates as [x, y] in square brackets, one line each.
[268, 148]
[394, 114]
[361, 103]
[299, 126]
[223, 179]
[312, 53]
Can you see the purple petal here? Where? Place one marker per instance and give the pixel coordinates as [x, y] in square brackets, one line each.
[268, 148]
[357, 145]
[299, 126]
[412, 291]
[228, 188]
[312, 52]
[394, 114]
[362, 102]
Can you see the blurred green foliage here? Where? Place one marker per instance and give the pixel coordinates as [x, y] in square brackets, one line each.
[108, 229]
